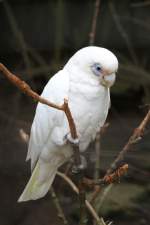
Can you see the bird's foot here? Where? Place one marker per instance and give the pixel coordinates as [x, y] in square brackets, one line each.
[81, 167]
[77, 169]
[71, 140]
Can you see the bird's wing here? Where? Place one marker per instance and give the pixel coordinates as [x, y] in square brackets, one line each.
[47, 119]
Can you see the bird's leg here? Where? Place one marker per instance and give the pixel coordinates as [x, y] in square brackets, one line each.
[79, 163]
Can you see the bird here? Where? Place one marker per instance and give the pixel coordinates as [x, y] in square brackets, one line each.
[85, 82]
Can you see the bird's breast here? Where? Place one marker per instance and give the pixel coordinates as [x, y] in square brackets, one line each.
[89, 107]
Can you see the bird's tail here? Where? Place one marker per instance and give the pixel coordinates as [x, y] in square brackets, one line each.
[40, 181]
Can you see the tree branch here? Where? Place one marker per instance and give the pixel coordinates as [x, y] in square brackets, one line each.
[122, 31]
[58, 206]
[88, 205]
[134, 138]
[24, 87]
[94, 23]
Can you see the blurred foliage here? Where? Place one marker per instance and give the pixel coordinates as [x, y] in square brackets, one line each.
[52, 31]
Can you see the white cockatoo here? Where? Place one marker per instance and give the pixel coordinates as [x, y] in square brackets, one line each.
[85, 81]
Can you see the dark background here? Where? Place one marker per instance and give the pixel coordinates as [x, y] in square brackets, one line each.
[36, 40]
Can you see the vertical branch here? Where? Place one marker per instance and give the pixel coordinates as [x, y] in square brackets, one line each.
[97, 150]
[103, 197]
[24, 49]
[97, 164]
[82, 199]
[91, 210]
[94, 23]
[37, 57]
[92, 36]
[59, 26]
[18, 35]
[122, 32]
[58, 207]
[77, 160]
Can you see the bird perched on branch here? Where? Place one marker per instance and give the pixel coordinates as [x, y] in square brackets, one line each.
[85, 81]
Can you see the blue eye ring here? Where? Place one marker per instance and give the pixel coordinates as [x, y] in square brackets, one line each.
[96, 69]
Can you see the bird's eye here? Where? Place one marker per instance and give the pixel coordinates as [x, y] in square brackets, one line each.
[96, 68]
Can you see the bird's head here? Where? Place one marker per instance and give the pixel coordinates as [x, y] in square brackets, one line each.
[99, 64]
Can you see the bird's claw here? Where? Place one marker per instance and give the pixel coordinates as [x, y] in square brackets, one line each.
[81, 167]
[72, 140]
[77, 169]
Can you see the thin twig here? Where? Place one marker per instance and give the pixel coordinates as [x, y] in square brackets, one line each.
[24, 49]
[18, 35]
[35, 71]
[94, 22]
[140, 4]
[134, 138]
[97, 152]
[103, 196]
[108, 179]
[24, 136]
[36, 56]
[122, 32]
[24, 87]
[58, 206]
[88, 205]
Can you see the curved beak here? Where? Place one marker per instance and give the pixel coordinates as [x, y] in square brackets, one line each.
[108, 80]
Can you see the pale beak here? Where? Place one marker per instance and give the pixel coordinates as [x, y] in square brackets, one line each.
[108, 80]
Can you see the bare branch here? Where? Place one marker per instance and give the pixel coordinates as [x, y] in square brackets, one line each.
[122, 32]
[24, 136]
[18, 35]
[58, 206]
[94, 22]
[88, 205]
[24, 87]
[140, 4]
[98, 149]
[108, 179]
[97, 152]
[135, 137]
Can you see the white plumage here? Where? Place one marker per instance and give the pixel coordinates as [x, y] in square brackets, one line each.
[85, 82]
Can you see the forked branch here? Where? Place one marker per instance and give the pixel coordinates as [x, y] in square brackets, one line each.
[24, 87]
[134, 138]
[88, 205]
[108, 179]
